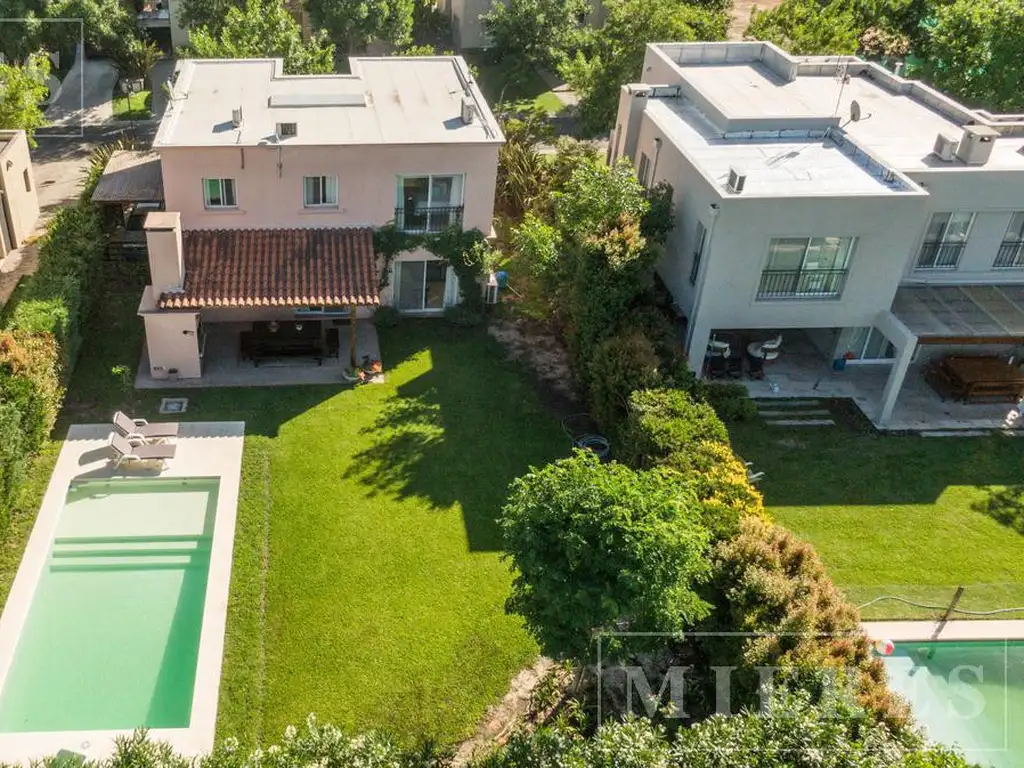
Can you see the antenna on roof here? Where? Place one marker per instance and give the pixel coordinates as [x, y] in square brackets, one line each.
[842, 76]
[855, 111]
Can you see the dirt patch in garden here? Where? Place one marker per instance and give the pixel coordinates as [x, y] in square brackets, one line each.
[536, 346]
[740, 15]
[514, 711]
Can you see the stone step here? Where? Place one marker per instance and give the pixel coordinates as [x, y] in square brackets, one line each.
[955, 433]
[800, 422]
[787, 413]
[772, 402]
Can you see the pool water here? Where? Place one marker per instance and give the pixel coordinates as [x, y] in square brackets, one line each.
[112, 635]
[968, 694]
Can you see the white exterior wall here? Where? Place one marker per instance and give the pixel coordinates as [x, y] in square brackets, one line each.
[269, 197]
[993, 196]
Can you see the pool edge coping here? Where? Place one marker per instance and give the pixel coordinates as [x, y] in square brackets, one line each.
[81, 458]
[952, 630]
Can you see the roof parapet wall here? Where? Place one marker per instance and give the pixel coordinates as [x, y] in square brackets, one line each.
[787, 68]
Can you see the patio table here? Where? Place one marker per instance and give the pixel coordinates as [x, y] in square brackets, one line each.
[976, 378]
[287, 339]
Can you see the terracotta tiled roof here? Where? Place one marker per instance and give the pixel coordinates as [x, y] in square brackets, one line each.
[276, 268]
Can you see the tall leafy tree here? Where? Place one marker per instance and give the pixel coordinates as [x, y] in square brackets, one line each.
[531, 34]
[210, 14]
[108, 25]
[614, 54]
[974, 53]
[600, 546]
[264, 28]
[22, 89]
[808, 27]
[353, 24]
[20, 39]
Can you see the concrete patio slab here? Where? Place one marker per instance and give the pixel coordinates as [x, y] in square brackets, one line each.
[223, 366]
[801, 372]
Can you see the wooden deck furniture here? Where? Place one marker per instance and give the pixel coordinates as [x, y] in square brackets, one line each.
[976, 379]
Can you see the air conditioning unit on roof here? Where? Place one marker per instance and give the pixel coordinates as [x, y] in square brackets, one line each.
[945, 148]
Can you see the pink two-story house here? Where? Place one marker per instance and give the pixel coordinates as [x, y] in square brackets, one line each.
[273, 185]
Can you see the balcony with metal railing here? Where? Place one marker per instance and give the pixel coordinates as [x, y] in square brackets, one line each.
[1010, 255]
[801, 283]
[939, 255]
[428, 219]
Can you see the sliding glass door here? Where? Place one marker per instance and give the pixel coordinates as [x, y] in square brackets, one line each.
[421, 285]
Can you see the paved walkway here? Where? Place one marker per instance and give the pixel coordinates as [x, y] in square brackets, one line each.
[956, 629]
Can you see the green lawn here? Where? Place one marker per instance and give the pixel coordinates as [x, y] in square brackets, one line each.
[498, 83]
[899, 515]
[367, 584]
[137, 108]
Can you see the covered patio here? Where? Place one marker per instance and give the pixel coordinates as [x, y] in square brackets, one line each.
[246, 307]
[131, 186]
[225, 365]
[935, 333]
[804, 371]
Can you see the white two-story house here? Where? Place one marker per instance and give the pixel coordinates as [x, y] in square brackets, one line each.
[274, 184]
[879, 218]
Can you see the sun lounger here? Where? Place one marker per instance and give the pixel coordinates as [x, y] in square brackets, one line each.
[125, 452]
[140, 430]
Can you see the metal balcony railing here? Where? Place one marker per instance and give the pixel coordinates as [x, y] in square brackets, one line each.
[423, 219]
[1010, 255]
[801, 283]
[939, 255]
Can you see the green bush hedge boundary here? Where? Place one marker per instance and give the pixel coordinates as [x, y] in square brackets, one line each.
[41, 337]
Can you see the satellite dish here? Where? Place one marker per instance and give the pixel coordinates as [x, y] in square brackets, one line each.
[855, 110]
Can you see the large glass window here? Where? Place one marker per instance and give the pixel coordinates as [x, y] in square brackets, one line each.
[944, 240]
[319, 191]
[429, 203]
[813, 267]
[421, 285]
[219, 193]
[1011, 251]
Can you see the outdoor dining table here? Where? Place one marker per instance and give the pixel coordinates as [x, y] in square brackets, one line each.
[277, 339]
[977, 378]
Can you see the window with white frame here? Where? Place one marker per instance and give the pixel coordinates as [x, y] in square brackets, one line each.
[429, 203]
[944, 240]
[319, 191]
[1011, 250]
[219, 193]
[643, 167]
[806, 267]
[698, 252]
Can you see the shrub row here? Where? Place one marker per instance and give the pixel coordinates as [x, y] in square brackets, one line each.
[41, 338]
[765, 579]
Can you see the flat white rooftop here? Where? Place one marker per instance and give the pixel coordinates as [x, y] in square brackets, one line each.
[899, 128]
[387, 100]
[789, 164]
[753, 88]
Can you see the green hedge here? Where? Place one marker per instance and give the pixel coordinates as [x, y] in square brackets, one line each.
[663, 422]
[54, 299]
[41, 338]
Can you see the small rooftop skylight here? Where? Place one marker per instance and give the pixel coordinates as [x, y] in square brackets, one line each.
[298, 100]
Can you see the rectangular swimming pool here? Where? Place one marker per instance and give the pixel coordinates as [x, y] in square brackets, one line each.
[966, 693]
[111, 638]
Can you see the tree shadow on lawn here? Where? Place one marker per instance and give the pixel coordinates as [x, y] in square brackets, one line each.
[459, 432]
[1005, 506]
[837, 466]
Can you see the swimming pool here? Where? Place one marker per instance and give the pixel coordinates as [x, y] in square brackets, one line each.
[111, 638]
[969, 694]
